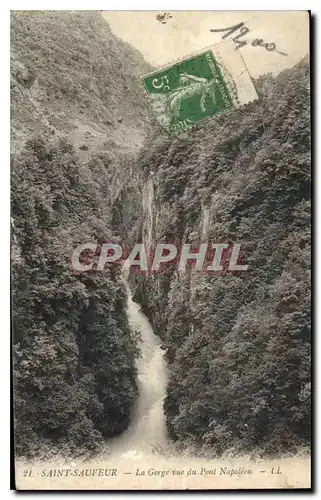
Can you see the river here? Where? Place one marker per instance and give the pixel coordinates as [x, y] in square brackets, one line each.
[143, 457]
[146, 433]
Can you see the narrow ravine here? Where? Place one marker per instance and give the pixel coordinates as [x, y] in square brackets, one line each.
[147, 431]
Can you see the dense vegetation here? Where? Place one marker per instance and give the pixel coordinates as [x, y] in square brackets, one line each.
[238, 346]
[73, 101]
[73, 353]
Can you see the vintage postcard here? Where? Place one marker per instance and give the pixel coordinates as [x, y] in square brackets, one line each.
[160, 250]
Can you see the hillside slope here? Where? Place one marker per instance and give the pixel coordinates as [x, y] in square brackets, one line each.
[78, 119]
[71, 77]
[238, 344]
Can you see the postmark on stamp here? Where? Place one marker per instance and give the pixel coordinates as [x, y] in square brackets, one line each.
[198, 87]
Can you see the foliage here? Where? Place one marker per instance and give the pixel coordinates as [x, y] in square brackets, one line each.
[238, 346]
[73, 352]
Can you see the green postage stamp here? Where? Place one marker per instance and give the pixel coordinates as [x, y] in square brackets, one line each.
[198, 87]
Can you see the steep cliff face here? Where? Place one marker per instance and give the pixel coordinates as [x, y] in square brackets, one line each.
[237, 344]
[78, 119]
[72, 79]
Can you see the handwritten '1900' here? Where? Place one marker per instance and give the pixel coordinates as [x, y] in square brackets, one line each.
[257, 42]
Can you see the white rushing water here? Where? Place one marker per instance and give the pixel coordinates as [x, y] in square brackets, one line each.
[146, 433]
